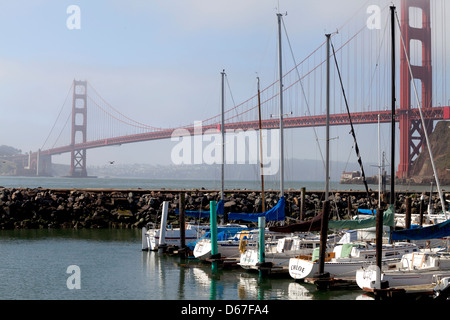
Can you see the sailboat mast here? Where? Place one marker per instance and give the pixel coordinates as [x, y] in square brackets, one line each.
[379, 166]
[326, 203]
[327, 138]
[222, 131]
[280, 69]
[260, 149]
[392, 193]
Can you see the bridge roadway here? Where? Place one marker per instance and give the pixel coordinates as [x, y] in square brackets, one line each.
[434, 113]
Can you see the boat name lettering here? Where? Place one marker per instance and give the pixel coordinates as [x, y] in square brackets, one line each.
[298, 268]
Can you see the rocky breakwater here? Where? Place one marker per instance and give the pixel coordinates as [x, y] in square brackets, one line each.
[22, 208]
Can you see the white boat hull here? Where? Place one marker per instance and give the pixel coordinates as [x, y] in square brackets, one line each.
[302, 269]
[229, 249]
[172, 237]
[250, 258]
[366, 278]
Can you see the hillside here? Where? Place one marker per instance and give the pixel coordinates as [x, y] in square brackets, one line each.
[422, 170]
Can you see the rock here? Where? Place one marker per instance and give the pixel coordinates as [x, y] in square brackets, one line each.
[229, 204]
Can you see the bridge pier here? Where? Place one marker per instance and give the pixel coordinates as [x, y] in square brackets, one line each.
[34, 164]
[43, 165]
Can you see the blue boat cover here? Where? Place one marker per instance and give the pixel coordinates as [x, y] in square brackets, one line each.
[438, 230]
[203, 214]
[274, 214]
[367, 211]
[315, 224]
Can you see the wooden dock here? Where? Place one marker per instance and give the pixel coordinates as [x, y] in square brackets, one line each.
[271, 270]
[332, 283]
[224, 262]
[411, 292]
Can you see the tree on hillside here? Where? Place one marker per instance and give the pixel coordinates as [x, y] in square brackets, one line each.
[9, 151]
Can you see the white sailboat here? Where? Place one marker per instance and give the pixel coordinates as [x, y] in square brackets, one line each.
[230, 236]
[427, 267]
[277, 253]
[418, 268]
[346, 259]
[152, 237]
[230, 247]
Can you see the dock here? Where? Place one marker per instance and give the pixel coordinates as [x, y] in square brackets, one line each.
[224, 262]
[411, 292]
[332, 283]
[270, 270]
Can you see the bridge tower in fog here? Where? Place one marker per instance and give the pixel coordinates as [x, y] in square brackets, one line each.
[79, 129]
[412, 136]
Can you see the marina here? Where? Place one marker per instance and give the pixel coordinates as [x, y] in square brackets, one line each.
[107, 276]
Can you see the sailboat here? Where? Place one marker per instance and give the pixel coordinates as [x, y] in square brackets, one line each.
[280, 243]
[424, 267]
[152, 236]
[427, 267]
[196, 235]
[229, 245]
[345, 258]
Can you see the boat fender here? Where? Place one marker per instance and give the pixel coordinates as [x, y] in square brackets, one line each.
[242, 245]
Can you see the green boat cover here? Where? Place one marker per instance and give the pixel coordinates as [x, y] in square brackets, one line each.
[388, 220]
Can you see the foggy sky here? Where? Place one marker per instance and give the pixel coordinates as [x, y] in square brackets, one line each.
[159, 62]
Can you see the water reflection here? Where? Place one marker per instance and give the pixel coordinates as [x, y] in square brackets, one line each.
[184, 279]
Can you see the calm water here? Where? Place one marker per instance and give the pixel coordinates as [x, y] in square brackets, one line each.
[112, 266]
[34, 263]
[134, 183]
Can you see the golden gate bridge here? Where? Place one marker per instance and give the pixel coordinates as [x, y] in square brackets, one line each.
[364, 56]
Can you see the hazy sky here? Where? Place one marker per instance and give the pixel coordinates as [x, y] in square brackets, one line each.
[159, 62]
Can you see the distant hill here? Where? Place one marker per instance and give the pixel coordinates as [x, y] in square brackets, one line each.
[9, 151]
[295, 169]
[7, 168]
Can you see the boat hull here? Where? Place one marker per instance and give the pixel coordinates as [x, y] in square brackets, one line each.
[301, 269]
[172, 238]
[229, 249]
[366, 278]
[250, 258]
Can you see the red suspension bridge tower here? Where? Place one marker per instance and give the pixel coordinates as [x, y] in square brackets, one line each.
[79, 129]
[412, 137]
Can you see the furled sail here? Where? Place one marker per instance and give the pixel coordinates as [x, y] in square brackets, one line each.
[438, 230]
[315, 223]
[311, 225]
[203, 214]
[388, 220]
[274, 214]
